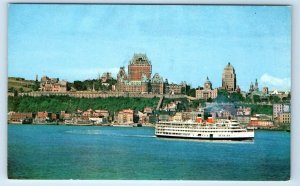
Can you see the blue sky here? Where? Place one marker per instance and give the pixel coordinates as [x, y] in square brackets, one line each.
[184, 43]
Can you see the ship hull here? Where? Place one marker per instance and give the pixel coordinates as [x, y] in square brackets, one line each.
[207, 138]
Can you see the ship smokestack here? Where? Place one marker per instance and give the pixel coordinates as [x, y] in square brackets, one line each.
[210, 119]
[199, 118]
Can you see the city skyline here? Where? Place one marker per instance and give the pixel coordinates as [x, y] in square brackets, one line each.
[87, 40]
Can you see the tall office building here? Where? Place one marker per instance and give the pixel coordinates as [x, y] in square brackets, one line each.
[229, 78]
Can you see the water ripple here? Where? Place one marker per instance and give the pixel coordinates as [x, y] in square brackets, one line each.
[99, 132]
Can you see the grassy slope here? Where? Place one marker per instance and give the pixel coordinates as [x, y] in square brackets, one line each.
[17, 84]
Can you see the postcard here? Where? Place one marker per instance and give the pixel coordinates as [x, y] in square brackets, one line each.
[149, 92]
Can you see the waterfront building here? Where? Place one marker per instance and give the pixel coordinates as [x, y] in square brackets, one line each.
[229, 78]
[207, 92]
[87, 113]
[284, 118]
[68, 116]
[90, 113]
[138, 66]
[143, 117]
[54, 116]
[96, 117]
[62, 114]
[96, 120]
[125, 116]
[79, 112]
[148, 110]
[18, 116]
[65, 116]
[243, 119]
[53, 85]
[280, 109]
[42, 116]
[261, 121]
[103, 113]
[243, 115]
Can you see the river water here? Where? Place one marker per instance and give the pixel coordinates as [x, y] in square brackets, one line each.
[108, 153]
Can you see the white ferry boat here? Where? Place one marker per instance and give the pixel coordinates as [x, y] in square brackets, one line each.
[223, 130]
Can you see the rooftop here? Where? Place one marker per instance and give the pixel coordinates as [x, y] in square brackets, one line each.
[140, 59]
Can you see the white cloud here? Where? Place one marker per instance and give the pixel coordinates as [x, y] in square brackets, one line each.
[275, 83]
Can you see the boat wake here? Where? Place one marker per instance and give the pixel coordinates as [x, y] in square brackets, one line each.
[102, 133]
[138, 136]
[88, 132]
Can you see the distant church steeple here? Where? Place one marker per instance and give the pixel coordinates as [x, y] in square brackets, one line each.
[256, 85]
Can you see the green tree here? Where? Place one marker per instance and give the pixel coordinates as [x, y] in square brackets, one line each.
[36, 86]
[209, 100]
[80, 86]
[183, 90]
[236, 97]
[248, 99]
[256, 98]
[11, 89]
[69, 86]
[223, 96]
[274, 99]
[191, 92]
[71, 104]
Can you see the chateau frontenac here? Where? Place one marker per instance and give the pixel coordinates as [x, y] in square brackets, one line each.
[139, 78]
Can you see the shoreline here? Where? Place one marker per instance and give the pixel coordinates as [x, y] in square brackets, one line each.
[127, 126]
[101, 125]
